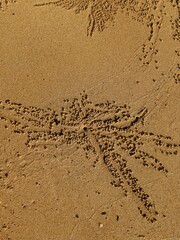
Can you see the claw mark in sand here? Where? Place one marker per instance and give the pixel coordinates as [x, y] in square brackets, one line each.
[106, 132]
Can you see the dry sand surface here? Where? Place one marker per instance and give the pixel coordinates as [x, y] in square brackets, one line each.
[89, 120]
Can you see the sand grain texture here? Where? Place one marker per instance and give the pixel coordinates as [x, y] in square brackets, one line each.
[89, 120]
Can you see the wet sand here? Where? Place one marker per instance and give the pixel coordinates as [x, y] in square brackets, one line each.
[89, 120]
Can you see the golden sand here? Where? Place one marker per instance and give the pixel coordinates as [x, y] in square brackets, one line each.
[89, 120]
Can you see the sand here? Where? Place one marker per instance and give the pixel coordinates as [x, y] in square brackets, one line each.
[89, 120]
